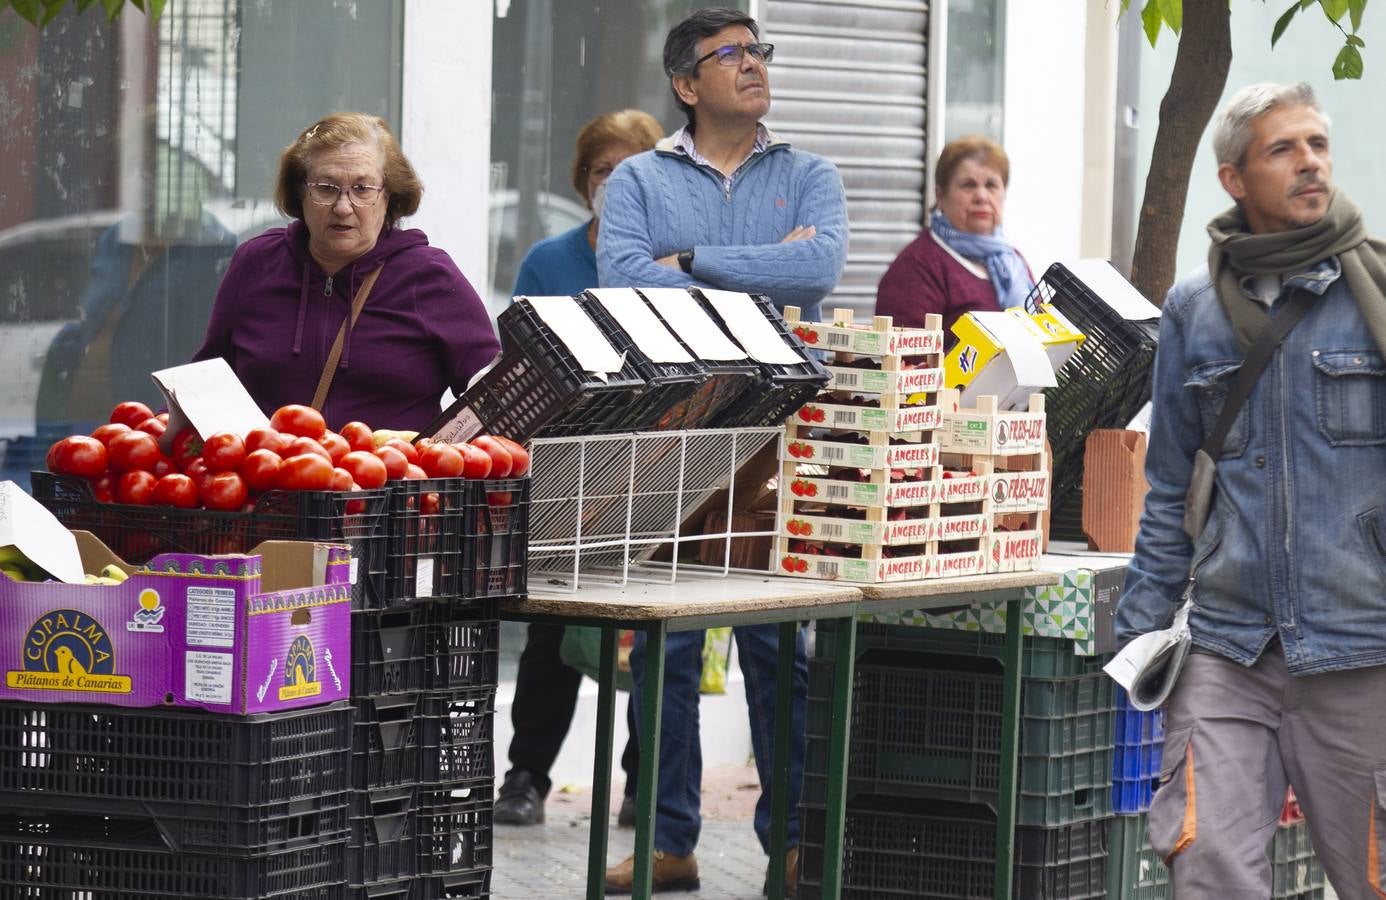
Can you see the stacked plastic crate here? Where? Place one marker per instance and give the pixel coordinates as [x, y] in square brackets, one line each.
[924, 766]
[424, 675]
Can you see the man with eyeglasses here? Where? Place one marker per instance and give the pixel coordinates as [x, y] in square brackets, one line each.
[721, 203]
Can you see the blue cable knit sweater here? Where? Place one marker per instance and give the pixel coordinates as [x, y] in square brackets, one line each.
[660, 202]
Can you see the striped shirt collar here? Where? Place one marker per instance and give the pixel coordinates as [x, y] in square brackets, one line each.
[683, 143]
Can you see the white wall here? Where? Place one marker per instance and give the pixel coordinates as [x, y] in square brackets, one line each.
[1044, 116]
[1305, 53]
[446, 131]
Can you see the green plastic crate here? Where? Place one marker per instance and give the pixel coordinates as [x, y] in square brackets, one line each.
[1296, 873]
[1134, 870]
[1041, 657]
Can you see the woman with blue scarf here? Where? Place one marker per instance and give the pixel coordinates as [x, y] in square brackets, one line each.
[963, 263]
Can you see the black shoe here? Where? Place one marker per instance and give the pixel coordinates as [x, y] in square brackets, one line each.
[626, 817]
[519, 801]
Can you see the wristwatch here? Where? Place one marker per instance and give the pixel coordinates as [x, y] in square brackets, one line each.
[686, 261]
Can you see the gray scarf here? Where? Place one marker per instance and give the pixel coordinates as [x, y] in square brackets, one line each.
[1236, 252]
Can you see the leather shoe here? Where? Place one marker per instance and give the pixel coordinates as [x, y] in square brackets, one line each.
[791, 875]
[671, 873]
[626, 817]
[519, 801]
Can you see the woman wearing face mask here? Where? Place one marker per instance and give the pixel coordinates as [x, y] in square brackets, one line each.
[566, 264]
[546, 689]
[963, 263]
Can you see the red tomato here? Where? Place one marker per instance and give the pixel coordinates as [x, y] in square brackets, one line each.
[224, 452]
[50, 462]
[175, 489]
[152, 426]
[137, 487]
[501, 460]
[336, 446]
[131, 413]
[430, 504]
[103, 488]
[163, 466]
[104, 433]
[305, 472]
[410, 452]
[518, 453]
[423, 444]
[415, 473]
[303, 421]
[441, 461]
[187, 446]
[396, 463]
[476, 463]
[197, 470]
[261, 470]
[79, 455]
[305, 445]
[163, 417]
[341, 479]
[133, 450]
[367, 469]
[223, 490]
[359, 436]
[265, 439]
[499, 498]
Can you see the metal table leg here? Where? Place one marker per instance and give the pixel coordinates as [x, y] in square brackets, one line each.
[779, 782]
[844, 664]
[601, 773]
[1010, 745]
[652, 706]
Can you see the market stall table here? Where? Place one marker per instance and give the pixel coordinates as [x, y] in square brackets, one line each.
[698, 601]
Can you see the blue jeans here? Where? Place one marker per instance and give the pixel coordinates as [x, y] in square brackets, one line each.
[678, 818]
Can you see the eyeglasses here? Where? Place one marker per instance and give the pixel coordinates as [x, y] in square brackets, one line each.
[326, 194]
[732, 54]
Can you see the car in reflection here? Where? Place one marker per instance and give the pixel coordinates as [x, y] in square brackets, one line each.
[556, 214]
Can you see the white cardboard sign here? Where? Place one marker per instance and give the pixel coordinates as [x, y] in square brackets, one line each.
[578, 333]
[750, 328]
[692, 323]
[209, 397]
[639, 321]
[1107, 283]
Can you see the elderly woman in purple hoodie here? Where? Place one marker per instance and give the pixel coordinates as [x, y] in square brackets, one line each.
[290, 291]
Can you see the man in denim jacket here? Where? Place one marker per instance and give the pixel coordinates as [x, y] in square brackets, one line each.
[1288, 578]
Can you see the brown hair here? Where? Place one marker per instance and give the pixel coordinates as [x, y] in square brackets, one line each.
[974, 147]
[631, 127]
[402, 184]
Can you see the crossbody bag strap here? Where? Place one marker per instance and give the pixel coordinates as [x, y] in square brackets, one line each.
[1257, 358]
[334, 356]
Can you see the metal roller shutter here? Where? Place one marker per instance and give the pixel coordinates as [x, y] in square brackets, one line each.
[849, 83]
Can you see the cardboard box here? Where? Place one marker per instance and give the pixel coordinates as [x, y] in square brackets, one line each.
[246, 633]
[999, 355]
[1061, 339]
[1114, 489]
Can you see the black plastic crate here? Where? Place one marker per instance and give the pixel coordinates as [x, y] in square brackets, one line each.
[138, 533]
[1041, 657]
[464, 646]
[411, 888]
[538, 389]
[389, 649]
[779, 390]
[458, 734]
[455, 833]
[93, 856]
[1103, 385]
[495, 539]
[387, 742]
[174, 757]
[382, 846]
[667, 385]
[895, 848]
[424, 549]
[456, 886]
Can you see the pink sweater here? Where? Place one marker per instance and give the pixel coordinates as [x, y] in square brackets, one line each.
[925, 278]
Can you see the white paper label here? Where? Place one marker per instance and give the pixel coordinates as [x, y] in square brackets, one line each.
[750, 328]
[423, 577]
[211, 617]
[208, 396]
[692, 323]
[207, 676]
[354, 564]
[578, 333]
[639, 321]
[1107, 283]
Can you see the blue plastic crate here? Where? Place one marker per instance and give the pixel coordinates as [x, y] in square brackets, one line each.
[1138, 746]
[1130, 797]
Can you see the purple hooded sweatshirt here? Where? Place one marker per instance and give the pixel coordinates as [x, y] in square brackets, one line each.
[423, 328]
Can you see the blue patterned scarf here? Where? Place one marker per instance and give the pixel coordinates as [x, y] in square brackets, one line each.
[1009, 274]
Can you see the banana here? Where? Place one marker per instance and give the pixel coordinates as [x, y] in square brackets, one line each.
[100, 579]
[13, 571]
[381, 435]
[115, 573]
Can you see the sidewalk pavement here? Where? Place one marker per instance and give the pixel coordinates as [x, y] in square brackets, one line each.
[550, 860]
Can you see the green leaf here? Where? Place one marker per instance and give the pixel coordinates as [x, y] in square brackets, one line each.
[1334, 9]
[1173, 12]
[138, 4]
[1348, 65]
[83, 5]
[1152, 20]
[28, 10]
[51, 9]
[1284, 22]
[156, 8]
[112, 8]
[1355, 9]
[1355, 41]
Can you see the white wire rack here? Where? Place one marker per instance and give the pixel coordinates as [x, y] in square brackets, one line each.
[601, 506]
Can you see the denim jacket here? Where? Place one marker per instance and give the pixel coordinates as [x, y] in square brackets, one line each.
[1295, 543]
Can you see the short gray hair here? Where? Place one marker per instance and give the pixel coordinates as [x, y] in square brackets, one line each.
[1232, 131]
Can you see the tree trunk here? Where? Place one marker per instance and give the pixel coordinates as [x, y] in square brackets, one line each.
[1200, 73]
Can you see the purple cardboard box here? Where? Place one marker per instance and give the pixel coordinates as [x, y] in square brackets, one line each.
[245, 633]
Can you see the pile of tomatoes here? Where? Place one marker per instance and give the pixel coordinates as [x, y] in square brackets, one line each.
[124, 462]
